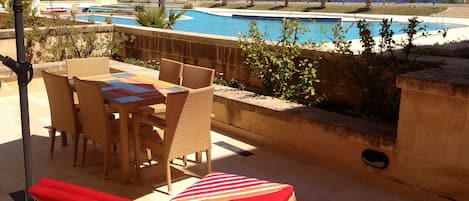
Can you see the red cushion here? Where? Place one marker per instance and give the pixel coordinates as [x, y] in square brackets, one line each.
[48, 194]
[50, 186]
[222, 186]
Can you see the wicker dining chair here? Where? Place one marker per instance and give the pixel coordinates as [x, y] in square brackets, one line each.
[185, 129]
[170, 71]
[96, 124]
[196, 77]
[83, 67]
[63, 112]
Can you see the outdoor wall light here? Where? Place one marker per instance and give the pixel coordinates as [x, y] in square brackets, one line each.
[375, 158]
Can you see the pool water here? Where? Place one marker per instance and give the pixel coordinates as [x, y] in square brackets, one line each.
[319, 31]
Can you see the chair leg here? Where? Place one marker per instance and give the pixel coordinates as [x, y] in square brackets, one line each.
[198, 157]
[107, 158]
[85, 141]
[208, 153]
[148, 151]
[52, 139]
[63, 135]
[137, 147]
[76, 138]
[168, 176]
[184, 160]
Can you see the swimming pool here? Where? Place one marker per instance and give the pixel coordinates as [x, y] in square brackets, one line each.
[319, 31]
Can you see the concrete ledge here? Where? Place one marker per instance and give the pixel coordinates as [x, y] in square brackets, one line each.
[368, 131]
[452, 79]
[6, 75]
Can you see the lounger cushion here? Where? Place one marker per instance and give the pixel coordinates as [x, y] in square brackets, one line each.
[223, 187]
[53, 190]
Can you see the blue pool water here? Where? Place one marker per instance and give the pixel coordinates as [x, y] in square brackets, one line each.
[319, 31]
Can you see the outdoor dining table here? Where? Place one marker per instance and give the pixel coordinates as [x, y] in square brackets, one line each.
[127, 92]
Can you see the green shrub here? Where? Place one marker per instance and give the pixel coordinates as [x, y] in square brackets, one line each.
[108, 20]
[137, 62]
[187, 5]
[138, 8]
[231, 83]
[60, 41]
[278, 64]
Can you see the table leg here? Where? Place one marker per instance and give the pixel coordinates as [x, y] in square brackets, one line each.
[124, 142]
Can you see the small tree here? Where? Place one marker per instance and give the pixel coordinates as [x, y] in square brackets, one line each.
[368, 4]
[278, 64]
[323, 4]
[162, 4]
[252, 3]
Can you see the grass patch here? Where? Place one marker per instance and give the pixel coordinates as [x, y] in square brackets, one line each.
[407, 9]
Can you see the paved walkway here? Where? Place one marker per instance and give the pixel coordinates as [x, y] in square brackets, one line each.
[459, 11]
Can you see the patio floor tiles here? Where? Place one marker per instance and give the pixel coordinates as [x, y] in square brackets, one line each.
[310, 182]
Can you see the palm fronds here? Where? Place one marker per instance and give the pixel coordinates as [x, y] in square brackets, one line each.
[157, 18]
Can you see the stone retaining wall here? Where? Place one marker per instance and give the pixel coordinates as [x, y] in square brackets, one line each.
[224, 55]
[433, 133]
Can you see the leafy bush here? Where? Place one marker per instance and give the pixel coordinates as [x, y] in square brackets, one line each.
[187, 5]
[138, 8]
[137, 62]
[108, 20]
[278, 64]
[376, 76]
[231, 83]
[60, 40]
[157, 18]
[286, 75]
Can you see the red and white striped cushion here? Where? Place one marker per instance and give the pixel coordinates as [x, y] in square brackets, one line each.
[221, 186]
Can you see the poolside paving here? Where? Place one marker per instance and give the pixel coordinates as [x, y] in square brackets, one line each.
[456, 11]
[311, 182]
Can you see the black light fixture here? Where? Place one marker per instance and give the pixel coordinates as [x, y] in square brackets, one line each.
[375, 158]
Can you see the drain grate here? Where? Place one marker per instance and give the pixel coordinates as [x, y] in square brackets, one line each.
[233, 148]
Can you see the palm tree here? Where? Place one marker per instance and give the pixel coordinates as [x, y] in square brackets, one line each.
[323, 4]
[157, 18]
[252, 3]
[224, 2]
[368, 4]
[286, 3]
[162, 4]
[172, 17]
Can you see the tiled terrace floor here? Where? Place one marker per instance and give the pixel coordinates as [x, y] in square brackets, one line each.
[311, 182]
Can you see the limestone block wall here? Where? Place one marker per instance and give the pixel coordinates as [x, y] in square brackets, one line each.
[224, 55]
[219, 53]
[8, 42]
[432, 149]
